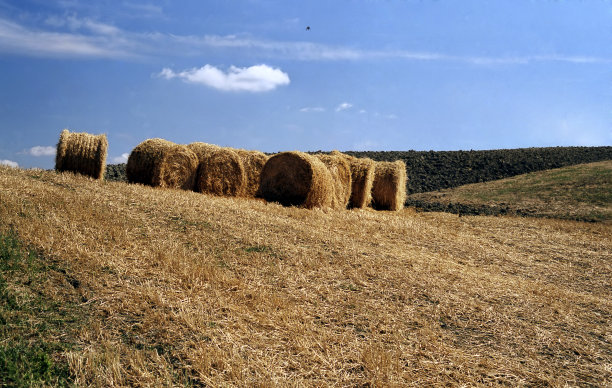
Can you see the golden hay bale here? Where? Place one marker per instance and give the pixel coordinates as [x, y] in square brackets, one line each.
[340, 171]
[202, 150]
[221, 172]
[82, 153]
[253, 162]
[389, 187]
[296, 179]
[362, 177]
[162, 163]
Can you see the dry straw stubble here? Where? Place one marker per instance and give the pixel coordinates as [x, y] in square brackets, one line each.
[82, 153]
[389, 186]
[296, 179]
[162, 163]
[340, 171]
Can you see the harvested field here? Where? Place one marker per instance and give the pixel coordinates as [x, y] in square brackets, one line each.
[183, 289]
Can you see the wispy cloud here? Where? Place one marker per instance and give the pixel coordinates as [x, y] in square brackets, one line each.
[42, 151]
[104, 41]
[259, 78]
[312, 109]
[72, 36]
[121, 159]
[9, 163]
[344, 106]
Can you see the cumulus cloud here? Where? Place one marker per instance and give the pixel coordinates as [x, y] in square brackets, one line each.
[9, 163]
[344, 106]
[42, 151]
[121, 159]
[258, 78]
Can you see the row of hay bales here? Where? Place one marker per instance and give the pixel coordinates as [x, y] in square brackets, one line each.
[338, 181]
[335, 180]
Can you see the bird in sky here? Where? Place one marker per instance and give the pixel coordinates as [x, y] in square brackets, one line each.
[307, 28]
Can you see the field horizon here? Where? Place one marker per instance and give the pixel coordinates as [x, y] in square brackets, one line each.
[127, 285]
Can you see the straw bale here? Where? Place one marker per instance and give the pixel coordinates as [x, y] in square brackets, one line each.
[296, 179]
[202, 150]
[161, 163]
[340, 171]
[221, 172]
[253, 162]
[389, 186]
[82, 153]
[362, 177]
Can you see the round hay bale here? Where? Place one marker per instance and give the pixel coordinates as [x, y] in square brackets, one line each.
[340, 171]
[81, 153]
[296, 179]
[362, 178]
[221, 172]
[162, 163]
[253, 162]
[202, 150]
[389, 186]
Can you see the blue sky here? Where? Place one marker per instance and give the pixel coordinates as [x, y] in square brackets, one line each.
[368, 75]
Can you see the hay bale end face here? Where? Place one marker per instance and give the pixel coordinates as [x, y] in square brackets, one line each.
[340, 171]
[389, 186]
[162, 163]
[82, 153]
[362, 175]
[221, 172]
[296, 179]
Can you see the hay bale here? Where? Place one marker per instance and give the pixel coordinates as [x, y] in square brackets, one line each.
[389, 186]
[162, 163]
[340, 171]
[221, 172]
[202, 150]
[296, 179]
[253, 162]
[82, 153]
[362, 177]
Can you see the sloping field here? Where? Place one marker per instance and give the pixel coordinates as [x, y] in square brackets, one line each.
[167, 287]
[580, 192]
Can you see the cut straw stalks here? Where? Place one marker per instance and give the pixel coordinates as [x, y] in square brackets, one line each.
[389, 186]
[82, 153]
[296, 179]
[161, 163]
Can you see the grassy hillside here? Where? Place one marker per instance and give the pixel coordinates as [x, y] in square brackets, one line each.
[581, 192]
[110, 284]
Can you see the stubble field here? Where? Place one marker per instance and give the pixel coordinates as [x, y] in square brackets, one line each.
[172, 288]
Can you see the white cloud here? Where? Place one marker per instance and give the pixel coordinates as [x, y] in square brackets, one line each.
[121, 159]
[87, 37]
[344, 106]
[259, 78]
[9, 163]
[312, 109]
[74, 23]
[101, 40]
[42, 151]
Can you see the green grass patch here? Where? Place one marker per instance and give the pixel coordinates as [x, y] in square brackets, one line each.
[31, 321]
